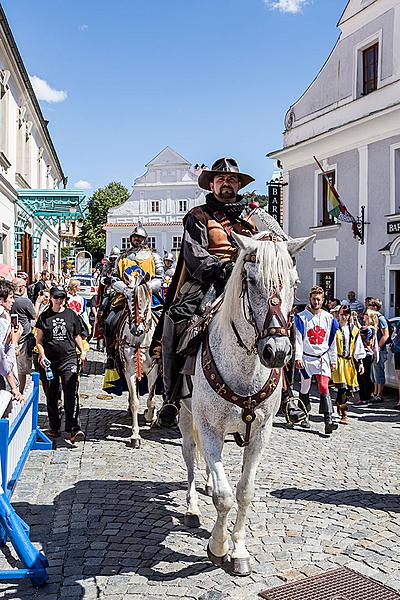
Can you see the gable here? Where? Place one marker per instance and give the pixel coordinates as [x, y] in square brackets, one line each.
[353, 7]
[167, 157]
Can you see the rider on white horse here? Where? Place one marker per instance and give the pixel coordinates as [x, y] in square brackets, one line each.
[138, 260]
[204, 266]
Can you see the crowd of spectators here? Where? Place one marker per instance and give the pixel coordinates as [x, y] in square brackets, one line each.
[46, 325]
[376, 335]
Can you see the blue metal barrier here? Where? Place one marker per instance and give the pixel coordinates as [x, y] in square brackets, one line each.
[19, 434]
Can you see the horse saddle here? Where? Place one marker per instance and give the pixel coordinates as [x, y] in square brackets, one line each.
[190, 336]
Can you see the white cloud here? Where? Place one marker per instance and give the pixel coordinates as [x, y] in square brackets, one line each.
[83, 27]
[44, 92]
[286, 6]
[83, 185]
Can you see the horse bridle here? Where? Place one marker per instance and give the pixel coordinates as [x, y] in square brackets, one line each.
[135, 318]
[274, 310]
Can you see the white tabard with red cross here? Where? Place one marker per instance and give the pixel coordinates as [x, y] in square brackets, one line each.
[316, 341]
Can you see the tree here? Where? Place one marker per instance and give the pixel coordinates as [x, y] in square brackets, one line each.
[93, 236]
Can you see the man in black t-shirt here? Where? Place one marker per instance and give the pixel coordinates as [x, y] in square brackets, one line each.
[58, 337]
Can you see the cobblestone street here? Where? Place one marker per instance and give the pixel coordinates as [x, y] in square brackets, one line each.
[110, 518]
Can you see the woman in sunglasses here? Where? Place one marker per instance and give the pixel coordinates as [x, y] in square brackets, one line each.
[350, 354]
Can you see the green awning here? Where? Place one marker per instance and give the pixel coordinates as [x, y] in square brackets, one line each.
[46, 208]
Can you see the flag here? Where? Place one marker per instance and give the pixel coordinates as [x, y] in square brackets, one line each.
[336, 208]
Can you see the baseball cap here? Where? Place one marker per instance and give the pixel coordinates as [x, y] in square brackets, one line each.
[58, 292]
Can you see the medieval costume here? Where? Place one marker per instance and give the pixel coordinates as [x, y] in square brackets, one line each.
[316, 348]
[137, 261]
[350, 353]
[205, 263]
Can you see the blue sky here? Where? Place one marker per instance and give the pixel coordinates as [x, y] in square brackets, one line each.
[210, 78]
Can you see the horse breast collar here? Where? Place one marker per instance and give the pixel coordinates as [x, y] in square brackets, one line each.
[248, 404]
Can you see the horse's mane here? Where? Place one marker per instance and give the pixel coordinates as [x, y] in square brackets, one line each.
[275, 265]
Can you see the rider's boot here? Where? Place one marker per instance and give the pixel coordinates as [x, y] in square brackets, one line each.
[168, 414]
[293, 413]
[326, 409]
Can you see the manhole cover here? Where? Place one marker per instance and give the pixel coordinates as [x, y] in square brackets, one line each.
[340, 584]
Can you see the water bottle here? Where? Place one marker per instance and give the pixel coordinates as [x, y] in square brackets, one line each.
[47, 369]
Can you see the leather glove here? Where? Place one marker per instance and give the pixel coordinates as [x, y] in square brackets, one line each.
[227, 269]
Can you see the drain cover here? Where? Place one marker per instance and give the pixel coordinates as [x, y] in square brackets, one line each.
[340, 584]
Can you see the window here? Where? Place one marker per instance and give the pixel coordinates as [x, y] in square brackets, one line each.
[183, 205]
[327, 281]
[370, 69]
[151, 242]
[155, 206]
[326, 218]
[125, 243]
[176, 242]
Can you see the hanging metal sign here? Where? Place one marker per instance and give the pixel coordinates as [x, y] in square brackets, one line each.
[274, 201]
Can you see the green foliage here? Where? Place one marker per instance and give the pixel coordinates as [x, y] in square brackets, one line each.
[93, 236]
[262, 199]
[66, 251]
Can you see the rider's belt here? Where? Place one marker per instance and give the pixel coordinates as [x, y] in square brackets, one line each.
[314, 356]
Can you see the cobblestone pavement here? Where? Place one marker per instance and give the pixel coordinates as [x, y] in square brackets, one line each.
[110, 518]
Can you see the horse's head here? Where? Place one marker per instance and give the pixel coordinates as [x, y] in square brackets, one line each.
[265, 277]
[138, 298]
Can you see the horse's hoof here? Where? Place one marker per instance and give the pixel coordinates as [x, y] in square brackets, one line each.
[208, 490]
[135, 443]
[218, 561]
[192, 521]
[240, 567]
[146, 412]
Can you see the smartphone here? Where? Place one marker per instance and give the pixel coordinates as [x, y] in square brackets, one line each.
[14, 320]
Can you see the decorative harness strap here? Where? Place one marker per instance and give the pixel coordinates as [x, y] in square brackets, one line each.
[248, 404]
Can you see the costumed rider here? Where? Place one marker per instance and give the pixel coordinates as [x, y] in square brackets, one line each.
[316, 354]
[137, 261]
[205, 263]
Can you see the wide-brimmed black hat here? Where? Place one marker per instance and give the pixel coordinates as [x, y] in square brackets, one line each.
[223, 165]
[58, 292]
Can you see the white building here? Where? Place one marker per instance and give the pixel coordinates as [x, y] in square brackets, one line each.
[159, 200]
[349, 118]
[27, 160]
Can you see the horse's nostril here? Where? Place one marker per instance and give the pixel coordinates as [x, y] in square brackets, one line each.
[267, 354]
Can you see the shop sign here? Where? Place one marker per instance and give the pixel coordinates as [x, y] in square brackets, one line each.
[393, 227]
[274, 201]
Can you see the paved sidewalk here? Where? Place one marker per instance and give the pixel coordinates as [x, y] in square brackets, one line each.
[110, 518]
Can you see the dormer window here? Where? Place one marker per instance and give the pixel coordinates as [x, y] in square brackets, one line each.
[370, 69]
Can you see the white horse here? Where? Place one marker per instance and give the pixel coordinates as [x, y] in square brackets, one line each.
[133, 342]
[237, 379]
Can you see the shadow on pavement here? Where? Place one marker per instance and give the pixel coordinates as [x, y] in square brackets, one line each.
[358, 498]
[106, 528]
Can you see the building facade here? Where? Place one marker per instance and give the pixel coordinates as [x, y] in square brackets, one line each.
[27, 160]
[159, 200]
[349, 118]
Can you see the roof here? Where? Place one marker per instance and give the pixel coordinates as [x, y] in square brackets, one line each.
[24, 74]
[158, 224]
[168, 149]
